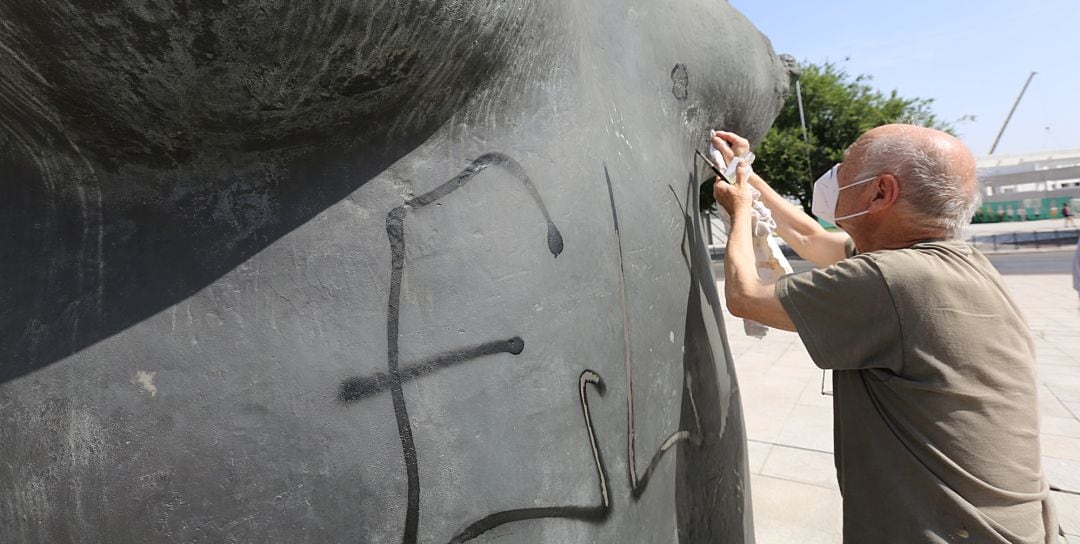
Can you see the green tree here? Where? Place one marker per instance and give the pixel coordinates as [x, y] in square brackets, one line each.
[838, 109]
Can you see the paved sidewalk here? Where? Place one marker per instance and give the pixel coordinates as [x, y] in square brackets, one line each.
[789, 421]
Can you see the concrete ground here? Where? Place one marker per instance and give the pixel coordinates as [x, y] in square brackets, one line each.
[789, 421]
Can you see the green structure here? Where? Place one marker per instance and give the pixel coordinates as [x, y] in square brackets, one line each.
[1029, 186]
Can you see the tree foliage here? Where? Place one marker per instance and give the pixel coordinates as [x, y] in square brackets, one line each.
[838, 109]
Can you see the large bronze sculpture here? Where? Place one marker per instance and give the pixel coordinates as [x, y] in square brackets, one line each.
[358, 271]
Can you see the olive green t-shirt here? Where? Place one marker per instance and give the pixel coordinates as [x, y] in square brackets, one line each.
[935, 411]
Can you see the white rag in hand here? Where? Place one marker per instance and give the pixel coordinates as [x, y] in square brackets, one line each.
[768, 259]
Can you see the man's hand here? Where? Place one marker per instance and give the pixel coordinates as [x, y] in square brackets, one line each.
[730, 145]
[747, 296]
[800, 231]
[735, 197]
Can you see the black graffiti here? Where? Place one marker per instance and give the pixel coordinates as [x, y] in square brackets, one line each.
[395, 231]
[638, 485]
[593, 514]
[554, 237]
[354, 389]
[358, 388]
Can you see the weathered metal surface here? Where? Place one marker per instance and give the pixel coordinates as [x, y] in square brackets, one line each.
[367, 271]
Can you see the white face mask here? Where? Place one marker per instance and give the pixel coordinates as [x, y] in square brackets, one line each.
[827, 192]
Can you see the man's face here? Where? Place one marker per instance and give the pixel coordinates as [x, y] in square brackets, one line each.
[854, 199]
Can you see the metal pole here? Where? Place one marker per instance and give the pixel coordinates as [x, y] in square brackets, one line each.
[802, 116]
[1008, 117]
[805, 135]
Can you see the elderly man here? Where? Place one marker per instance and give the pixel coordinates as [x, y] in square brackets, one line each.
[936, 424]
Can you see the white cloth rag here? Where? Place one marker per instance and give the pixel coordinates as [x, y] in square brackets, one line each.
[769, 260]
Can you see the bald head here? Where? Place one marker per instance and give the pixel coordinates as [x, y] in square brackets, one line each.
[946, 148]
[935, 171]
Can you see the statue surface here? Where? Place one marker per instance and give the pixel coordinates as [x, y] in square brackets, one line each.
[365, 271]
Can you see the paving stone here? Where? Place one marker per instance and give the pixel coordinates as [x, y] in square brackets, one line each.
[1061, 426]
[802, 466]
[809, 427]
[787, 512]
[1061, 447]
[758, 452]
[1067, 506]
[1062, 473]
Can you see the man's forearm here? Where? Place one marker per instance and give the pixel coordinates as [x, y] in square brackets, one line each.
[740, 270]
[747, 296]
[788, 216]
[802, 232]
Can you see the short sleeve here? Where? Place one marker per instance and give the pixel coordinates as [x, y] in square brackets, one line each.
[845, 315]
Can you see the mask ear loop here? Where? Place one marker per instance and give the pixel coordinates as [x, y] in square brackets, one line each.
[851, 215]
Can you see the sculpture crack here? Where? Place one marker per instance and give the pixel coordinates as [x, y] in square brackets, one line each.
[638, 485]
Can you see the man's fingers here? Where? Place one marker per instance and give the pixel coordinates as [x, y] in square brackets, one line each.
[738, 144]
[722, 145]
[720, 184]
[733, 138]
[742, 173]
[720, 190]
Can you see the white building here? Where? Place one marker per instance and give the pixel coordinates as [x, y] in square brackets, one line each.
[1028, 186]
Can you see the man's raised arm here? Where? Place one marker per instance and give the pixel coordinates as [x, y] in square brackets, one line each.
[802, 232]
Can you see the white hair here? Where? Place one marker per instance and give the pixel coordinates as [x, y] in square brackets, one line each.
[930, 184]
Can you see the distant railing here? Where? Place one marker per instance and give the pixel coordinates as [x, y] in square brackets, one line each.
[1030, 239]
[1035, 239]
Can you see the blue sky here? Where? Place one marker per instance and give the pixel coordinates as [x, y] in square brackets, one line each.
[971, 57]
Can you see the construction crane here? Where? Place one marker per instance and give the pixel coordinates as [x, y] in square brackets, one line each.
[1008, 117]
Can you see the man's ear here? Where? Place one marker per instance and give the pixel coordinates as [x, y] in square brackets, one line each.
[886, 192]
